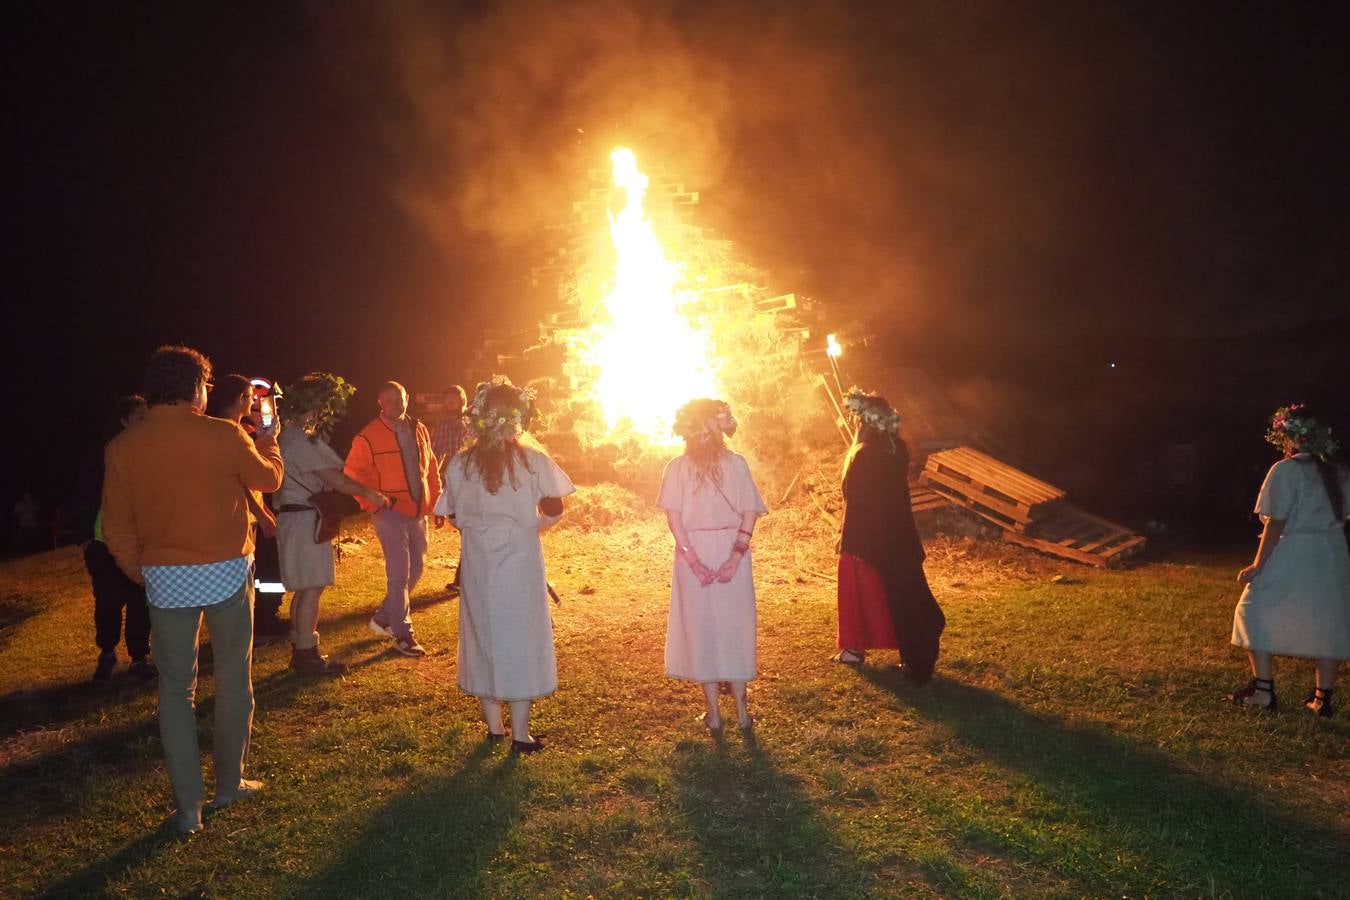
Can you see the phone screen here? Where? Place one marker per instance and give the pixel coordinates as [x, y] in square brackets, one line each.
[266, 409]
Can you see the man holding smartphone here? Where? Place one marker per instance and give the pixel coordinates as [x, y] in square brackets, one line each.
[175, 517]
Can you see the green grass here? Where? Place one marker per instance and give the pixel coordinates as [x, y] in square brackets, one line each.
[1072, 745]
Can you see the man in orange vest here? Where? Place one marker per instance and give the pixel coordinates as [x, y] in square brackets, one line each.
[393, 455]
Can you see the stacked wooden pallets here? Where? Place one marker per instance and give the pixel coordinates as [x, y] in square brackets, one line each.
[1031, 512]
[1077, 535]
[1008, 497]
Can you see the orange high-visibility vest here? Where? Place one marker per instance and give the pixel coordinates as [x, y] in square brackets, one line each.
[376, 460]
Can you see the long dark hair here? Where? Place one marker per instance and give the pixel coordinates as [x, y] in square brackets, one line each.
[870, 436]
[1328, 466]
[1330, 470]
[496, 461]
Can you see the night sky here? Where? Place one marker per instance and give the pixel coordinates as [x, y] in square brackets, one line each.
[363, 187]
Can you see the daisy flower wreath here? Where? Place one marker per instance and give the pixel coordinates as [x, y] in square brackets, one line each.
[500, 424]
[870, 409]
[703, 419]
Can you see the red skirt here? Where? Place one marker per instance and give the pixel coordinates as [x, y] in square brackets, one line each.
[864, 616]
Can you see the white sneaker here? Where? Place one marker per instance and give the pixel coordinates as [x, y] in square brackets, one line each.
[381, 629]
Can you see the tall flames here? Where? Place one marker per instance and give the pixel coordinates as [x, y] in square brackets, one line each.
[648, 354]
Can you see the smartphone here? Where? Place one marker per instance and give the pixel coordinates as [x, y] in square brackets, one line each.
[267, 412]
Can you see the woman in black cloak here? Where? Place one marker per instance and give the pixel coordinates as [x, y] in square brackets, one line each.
[884, 599]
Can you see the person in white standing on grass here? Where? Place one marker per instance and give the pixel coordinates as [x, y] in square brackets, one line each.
[1297, 596]
[501, 493]
[711, 505]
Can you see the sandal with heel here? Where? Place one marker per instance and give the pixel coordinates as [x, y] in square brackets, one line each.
[1319, 702]
[1254, 687]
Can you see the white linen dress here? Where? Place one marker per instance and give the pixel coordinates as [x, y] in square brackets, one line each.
[710, 634]
[1299, 604]
[505, 632]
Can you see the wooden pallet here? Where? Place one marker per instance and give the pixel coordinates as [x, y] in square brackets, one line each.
[1082, 537]
[1008, 497]
[923, 500]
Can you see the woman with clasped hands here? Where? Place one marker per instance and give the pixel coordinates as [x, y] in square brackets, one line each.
[711, 505]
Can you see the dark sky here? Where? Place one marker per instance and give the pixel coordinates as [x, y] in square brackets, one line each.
[363, 187]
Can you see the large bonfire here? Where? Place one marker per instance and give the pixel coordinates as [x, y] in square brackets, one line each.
[661, 314]
[649, 353]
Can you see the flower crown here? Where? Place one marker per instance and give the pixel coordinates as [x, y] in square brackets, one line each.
[703, 420]
[1291, 426]
[872, 410]
[499, 424]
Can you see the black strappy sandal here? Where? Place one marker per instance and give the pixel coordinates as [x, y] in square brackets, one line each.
[1240, 696]
[1319, 701]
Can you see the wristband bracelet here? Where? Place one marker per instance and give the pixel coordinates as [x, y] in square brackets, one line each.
[748, 534]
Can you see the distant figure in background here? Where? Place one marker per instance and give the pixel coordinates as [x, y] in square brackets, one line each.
[27, 535]
[313, 406]
[446, 440]
[232, 399]
[393, 454]
[711, 505]
[175, 517]
[448, 436]
[884, 598]
[501, 494]
[1297, 596]
[113, 590]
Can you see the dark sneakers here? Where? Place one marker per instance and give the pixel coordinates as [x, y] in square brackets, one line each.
[311, 662]
[107, 661]
[143, 669]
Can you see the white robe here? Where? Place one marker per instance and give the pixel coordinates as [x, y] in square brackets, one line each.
[710, 634]
[505, 631]
[1299, 604]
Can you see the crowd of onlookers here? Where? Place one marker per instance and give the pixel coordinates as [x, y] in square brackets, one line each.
[216, 487]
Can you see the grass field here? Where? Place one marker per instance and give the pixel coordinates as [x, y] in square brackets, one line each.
[1072, 745]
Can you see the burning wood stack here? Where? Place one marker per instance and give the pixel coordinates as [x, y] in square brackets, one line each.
[653, 310]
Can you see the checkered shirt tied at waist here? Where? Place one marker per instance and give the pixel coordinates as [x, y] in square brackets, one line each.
[181, 587]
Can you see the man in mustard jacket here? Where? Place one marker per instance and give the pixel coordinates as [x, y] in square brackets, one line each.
[393, 455]
[175, 517]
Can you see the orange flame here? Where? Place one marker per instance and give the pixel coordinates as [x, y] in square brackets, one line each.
[650, 357]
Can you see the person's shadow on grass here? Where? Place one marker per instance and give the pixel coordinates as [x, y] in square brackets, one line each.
[756, 827]
[435, 839]
[1166, 826]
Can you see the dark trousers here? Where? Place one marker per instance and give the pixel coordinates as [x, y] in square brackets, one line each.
[266, 569]
[114, 591]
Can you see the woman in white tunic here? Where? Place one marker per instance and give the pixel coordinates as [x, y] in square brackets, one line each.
[1297, 596]
[501, 493]
[711, 505]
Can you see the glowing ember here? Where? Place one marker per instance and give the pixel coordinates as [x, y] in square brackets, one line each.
[832, 346]
[649, 356]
